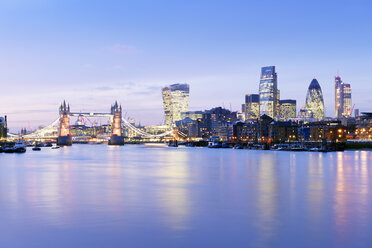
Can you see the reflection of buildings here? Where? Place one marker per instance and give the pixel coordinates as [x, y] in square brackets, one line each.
[342, 99]
[176, 101]
[314, 100]
[268, 92]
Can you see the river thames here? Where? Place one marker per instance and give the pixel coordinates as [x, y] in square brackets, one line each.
[153, 196]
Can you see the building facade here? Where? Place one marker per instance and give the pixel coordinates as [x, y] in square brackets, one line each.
[176, 101]
[287, 109]
[3, 127]
[268, 91]
[346, 100]
[193, 115]
[252, 106]
[342, 99]
[314, 100]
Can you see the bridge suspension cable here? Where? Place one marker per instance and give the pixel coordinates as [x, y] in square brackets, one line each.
[144, 134]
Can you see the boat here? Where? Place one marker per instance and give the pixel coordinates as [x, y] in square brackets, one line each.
[173, 143]
[55, 147]
[18, 147]
[214, 144]
[238, 146]
[225, 145]
[36, 148]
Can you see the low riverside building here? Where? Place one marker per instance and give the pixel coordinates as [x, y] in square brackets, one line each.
[246, 132]
[264, 128]
[363, 129]
[3, 128]
[283, 131]
[322, 130]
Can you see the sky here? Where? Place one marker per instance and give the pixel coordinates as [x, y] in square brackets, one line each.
[91, 53]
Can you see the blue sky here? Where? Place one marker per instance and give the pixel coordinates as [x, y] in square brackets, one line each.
[94, 52]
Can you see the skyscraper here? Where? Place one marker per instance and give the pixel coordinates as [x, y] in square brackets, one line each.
[338, 107]
[314, 100]
[287, 109]
[3, 128]
[268, 92]
[175, 100]
[252, 106]
[346, 100]
[342, 98]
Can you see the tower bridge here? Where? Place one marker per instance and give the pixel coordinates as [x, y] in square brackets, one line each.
[60, 128]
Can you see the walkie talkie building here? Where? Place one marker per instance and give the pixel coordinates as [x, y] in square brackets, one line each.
[176, 101]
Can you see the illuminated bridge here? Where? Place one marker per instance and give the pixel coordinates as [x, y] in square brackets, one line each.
[60, 128]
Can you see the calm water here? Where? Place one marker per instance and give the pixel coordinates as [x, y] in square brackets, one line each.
[137, 196]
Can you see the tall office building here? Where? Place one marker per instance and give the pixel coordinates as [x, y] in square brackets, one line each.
[268, 92]
[314, 100]
[346, 100]
[287, 109]
[342, 98]
[3, 128]
[252, 106]
[338, 107]
[176, 101]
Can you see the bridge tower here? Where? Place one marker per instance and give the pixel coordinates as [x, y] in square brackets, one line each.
[64, 137]
[116, 131]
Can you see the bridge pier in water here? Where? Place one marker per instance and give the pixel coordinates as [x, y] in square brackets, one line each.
[64, 136]
[116, 138]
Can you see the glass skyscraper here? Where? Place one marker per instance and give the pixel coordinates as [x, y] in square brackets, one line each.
[342, 98]
[252, 106]
[176, 101]
[268, 92]
[314, 100]
[287, 109]
[346, 100]
[338, 107]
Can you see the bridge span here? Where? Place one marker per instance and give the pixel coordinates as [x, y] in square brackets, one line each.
[60, 129]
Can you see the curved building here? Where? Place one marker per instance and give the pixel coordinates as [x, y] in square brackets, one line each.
[314, 100]
[176, 101]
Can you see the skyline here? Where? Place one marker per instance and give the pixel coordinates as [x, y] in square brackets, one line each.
[51, 52]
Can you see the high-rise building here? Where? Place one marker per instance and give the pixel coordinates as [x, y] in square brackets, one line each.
[252, 106]
[314, 100]
[193, 115]
[338, 107]
[287, 109]
[346, 100]
[268, 92]
[176, 101]
[342, 98]
[3, 128]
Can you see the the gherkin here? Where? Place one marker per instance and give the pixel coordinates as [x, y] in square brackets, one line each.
[314, 100]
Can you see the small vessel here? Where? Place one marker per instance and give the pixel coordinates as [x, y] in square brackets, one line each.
[36, 148]
[214, 144]
[225, 145]
[18, 147]
[238, 146]
[55, 147]
[173, 143]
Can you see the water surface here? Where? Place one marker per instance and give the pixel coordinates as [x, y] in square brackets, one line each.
[138, 196]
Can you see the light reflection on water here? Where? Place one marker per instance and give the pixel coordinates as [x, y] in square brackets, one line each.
[136, 196]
